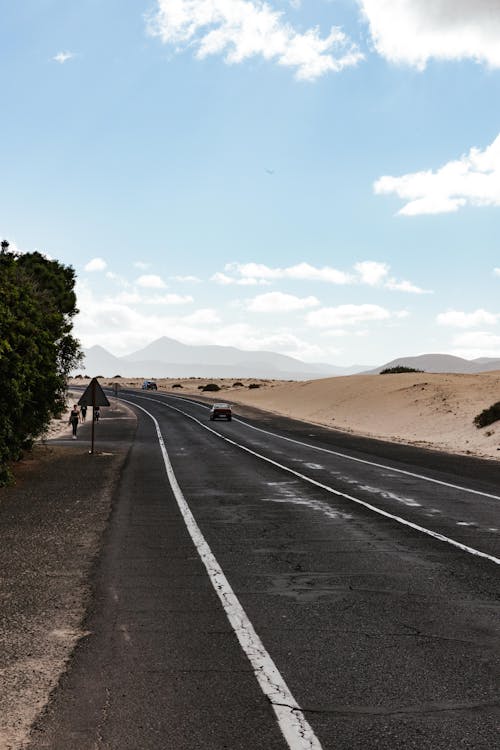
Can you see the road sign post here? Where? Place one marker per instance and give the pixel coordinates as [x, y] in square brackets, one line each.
[93, 396]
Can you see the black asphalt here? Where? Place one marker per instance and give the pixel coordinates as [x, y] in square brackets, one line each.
[386, 637]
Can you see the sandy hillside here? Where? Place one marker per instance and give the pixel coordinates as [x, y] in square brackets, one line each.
[432, 410]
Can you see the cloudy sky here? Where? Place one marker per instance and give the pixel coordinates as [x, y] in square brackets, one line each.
[318, 177]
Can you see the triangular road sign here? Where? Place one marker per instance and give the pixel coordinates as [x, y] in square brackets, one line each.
[94, 395]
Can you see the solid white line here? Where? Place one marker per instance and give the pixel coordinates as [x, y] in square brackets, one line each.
[292, 722]
[410, 524]
[347, 457]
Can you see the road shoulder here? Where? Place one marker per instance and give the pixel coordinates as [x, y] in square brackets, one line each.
[52, 525]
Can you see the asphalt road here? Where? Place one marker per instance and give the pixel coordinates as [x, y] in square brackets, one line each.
[267, 584]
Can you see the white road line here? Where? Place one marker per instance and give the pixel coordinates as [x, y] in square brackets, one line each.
[292, 722]
[345, 455]
[403, 521]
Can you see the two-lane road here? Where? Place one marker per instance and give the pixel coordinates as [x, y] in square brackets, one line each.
[270, 584]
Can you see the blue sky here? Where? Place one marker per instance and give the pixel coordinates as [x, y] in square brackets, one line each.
[319, 178]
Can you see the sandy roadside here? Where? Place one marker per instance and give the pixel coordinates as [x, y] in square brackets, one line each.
[52, 522]
[60, 427]
[426, 409]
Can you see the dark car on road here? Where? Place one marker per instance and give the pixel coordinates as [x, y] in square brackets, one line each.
[221, 411]
[149, 385]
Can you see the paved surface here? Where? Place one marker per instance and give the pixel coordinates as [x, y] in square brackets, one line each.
[387, 637]
[51, 528]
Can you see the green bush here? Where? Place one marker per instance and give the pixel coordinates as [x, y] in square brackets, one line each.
[211, 387]
[37, 351]
[177, 385]
[488, 416]
[237, 384]
[397, 369]
[254, 385]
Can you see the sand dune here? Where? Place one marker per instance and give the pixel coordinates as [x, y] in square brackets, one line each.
[426, 409]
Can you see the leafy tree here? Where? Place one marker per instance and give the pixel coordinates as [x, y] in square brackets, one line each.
[37, 350]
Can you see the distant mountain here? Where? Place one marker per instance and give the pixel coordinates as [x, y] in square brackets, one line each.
[167, 357]
[442, 363]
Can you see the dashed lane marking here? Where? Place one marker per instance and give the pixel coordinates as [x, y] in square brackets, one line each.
[343, 455]
[386, 514]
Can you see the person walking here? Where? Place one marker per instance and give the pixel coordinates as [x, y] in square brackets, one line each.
[83, 413]
[74, 418]
[97, 413]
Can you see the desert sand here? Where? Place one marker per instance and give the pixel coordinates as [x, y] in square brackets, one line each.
[426, 409]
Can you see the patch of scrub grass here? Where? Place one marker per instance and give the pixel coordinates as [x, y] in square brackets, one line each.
[397, 369]
[488, 416]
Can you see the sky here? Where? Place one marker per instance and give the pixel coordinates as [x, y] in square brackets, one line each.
[319, 178]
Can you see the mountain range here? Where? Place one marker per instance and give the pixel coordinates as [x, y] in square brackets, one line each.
[442, 363]
[168, 358]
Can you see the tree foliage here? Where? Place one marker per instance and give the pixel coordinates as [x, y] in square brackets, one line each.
[37, 350]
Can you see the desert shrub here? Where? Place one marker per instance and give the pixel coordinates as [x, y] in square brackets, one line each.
[237, 384]
[211, 387]
[254, 385]
[488, 416]
[397, 369]
[177, 385]
[116, 376]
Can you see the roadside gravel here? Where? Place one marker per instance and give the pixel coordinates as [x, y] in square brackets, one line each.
[52, 524]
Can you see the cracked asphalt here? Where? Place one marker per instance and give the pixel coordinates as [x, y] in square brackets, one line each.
[386, 637]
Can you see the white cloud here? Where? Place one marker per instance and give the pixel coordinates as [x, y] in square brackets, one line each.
[415, 31]
[241, 29]
[63, 57]
[279, 302]
[118, 325]
[405, 286]
[337, 317]
[96, 264]
[371, 272]
[141, 265]
[476, 344]
[298, 272]
[121, 327]
[186, 279]
[169, 299]
[474, 180]
[286, 343]
[496, 271]
[205, 316]
[134, 298]
[117, 279]
[374, 273]
[151, 281]
[225, 280]
[125, 298]
[459, 319]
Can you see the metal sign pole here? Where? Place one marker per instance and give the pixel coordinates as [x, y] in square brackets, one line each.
[93, 417]
[95, 397]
